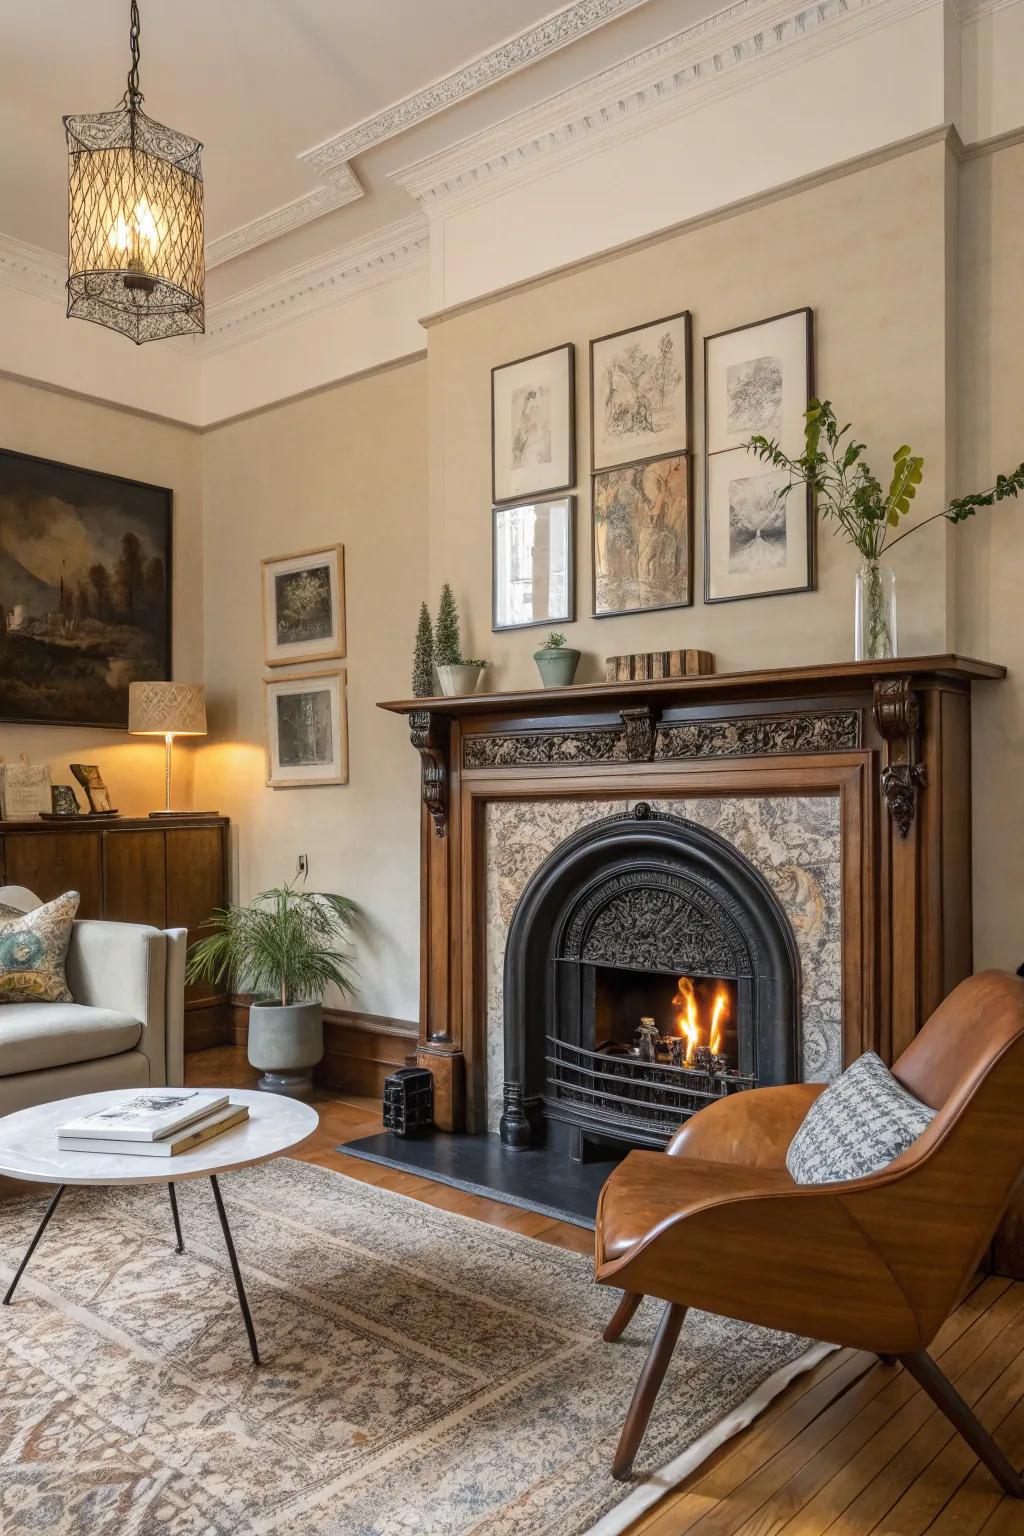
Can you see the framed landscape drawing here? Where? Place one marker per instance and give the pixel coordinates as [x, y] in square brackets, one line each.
[640, 391]
[307, 730]
[533, 425]
[85, 591]
[532, 560]
[757, 378]
[643, 536]
[304, 606]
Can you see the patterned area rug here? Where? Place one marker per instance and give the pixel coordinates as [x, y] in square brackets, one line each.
[424, 1374]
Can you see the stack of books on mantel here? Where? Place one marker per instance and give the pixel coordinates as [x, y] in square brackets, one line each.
[155, 1122]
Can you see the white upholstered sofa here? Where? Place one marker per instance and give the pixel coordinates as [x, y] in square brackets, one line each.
[125, 1028]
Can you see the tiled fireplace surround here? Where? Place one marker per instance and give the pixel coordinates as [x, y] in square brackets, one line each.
[845, 787]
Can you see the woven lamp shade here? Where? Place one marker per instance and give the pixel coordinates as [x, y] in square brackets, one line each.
[166, 709]
[135, 225]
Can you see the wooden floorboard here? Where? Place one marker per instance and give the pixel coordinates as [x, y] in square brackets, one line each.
[853, 1448]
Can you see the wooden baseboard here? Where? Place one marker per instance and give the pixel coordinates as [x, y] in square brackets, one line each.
[360, 1049]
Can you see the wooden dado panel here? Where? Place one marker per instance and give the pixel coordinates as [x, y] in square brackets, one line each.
[49, 866]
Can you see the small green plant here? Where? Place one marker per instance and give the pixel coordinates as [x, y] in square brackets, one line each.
[423, 657]
[554, 642]
[847, 492]
[447, 635]
[284, 944]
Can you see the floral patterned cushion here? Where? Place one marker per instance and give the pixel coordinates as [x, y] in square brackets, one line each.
[33, 948]
[861, 1123]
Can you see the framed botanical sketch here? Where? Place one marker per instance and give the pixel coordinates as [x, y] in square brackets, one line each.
[304, 606]
[640, 389]
[643, 536]
[307, 730]
[533, 425]
[757, 379]
[85, 591]
[533, 580]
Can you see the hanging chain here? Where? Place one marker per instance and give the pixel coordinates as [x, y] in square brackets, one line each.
[133, 95]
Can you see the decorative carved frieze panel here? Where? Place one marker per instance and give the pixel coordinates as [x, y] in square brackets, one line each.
[760, 735]
[535, 749]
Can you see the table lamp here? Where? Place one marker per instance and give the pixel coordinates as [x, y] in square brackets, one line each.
[167, 710]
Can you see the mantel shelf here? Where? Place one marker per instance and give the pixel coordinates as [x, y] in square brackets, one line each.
[846, 676]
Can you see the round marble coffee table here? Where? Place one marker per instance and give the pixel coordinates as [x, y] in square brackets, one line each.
[29, 1150]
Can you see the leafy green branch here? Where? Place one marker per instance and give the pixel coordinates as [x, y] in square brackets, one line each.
[847, 491]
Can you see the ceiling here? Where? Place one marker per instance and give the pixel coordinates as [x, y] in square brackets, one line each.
[262, 81]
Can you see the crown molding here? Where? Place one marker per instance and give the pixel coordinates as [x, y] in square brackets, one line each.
[32, 270]
[679, 74]
[329, 161]
[385, 256]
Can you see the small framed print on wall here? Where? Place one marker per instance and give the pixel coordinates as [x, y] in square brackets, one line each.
[307, 730]
[532, 564]
[640, 390]
[304, 606]
[643, 536]
[757, 379]
[533, 425]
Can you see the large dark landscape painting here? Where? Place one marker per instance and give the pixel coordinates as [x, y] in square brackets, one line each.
[85, 566]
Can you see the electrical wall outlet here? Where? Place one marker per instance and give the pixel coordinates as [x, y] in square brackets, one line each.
[302, 867]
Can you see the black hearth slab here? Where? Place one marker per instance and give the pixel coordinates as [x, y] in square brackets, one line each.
[532, 1179]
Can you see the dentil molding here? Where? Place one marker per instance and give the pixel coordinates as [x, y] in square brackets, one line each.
[30, 269]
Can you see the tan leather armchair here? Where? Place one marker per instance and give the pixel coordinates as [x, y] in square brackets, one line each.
[877, 1263]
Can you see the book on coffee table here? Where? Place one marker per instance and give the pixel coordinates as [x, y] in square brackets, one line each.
[149, 1115]
[183, 1140]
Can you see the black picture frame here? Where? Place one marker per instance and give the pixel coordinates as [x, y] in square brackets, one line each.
[812, 553]
[568, 618]
[538, 493]
[128, 500]
[686, 317]
[614, 469]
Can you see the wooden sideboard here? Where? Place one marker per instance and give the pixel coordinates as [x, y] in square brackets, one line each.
[170, 873]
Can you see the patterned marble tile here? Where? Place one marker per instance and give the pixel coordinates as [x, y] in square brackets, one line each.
[792, 840]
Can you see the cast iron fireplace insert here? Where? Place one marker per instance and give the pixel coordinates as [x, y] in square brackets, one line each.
[644, 922]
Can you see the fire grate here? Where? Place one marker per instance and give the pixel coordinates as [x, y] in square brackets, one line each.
[630, 1094]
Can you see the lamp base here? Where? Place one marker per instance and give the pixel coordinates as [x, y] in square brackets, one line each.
[156, 815]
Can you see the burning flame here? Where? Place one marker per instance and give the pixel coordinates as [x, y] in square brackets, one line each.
[688, 1018]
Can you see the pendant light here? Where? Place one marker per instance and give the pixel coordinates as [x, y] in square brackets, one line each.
[135, 219]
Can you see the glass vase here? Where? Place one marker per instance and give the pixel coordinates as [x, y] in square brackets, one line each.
[874, 625]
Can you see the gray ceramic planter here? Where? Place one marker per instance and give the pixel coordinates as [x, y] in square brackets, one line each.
[285, 1044]
[557, 667]
[458, 680]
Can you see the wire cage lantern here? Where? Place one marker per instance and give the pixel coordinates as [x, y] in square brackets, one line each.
[135, 219]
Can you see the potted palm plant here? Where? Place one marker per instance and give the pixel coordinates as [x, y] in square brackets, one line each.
[286, 947]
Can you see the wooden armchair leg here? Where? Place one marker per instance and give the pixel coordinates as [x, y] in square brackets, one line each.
[647, 1389]
[622, 1317]
[945, 1397]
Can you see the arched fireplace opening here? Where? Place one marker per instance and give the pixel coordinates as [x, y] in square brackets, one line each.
[649, 969]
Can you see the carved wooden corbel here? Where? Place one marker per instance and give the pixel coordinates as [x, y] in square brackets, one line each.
[638, 724]
[898, 716]
[429, 739]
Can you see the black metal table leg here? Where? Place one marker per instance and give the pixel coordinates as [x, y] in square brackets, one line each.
[240, 1288]
[179, 1246]
[32, 1245]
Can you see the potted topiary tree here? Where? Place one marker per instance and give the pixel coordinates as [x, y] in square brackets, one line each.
[284, 948]
[423, 657]
[556, 661]
[456, 673]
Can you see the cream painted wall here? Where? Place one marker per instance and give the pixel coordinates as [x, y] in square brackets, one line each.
[867, 253]
[347, 465]
[991, 565]
[96, 436]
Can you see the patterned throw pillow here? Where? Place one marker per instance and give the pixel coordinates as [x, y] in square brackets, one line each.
[861, 1123]
[33, 948]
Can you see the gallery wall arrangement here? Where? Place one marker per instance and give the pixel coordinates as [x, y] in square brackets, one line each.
[305, 713]
[85, 591]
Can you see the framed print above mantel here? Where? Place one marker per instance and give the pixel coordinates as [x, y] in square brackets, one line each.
[757, 379]
[533, 580]
[533, 425]
[304, 606]
[640, 393]
[643, 536]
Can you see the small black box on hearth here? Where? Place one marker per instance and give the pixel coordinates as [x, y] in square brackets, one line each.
[409, 1101]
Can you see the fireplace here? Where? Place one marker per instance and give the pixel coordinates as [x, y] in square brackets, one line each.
[649, 969]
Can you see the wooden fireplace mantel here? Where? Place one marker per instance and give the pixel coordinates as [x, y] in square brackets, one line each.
[892, 739]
